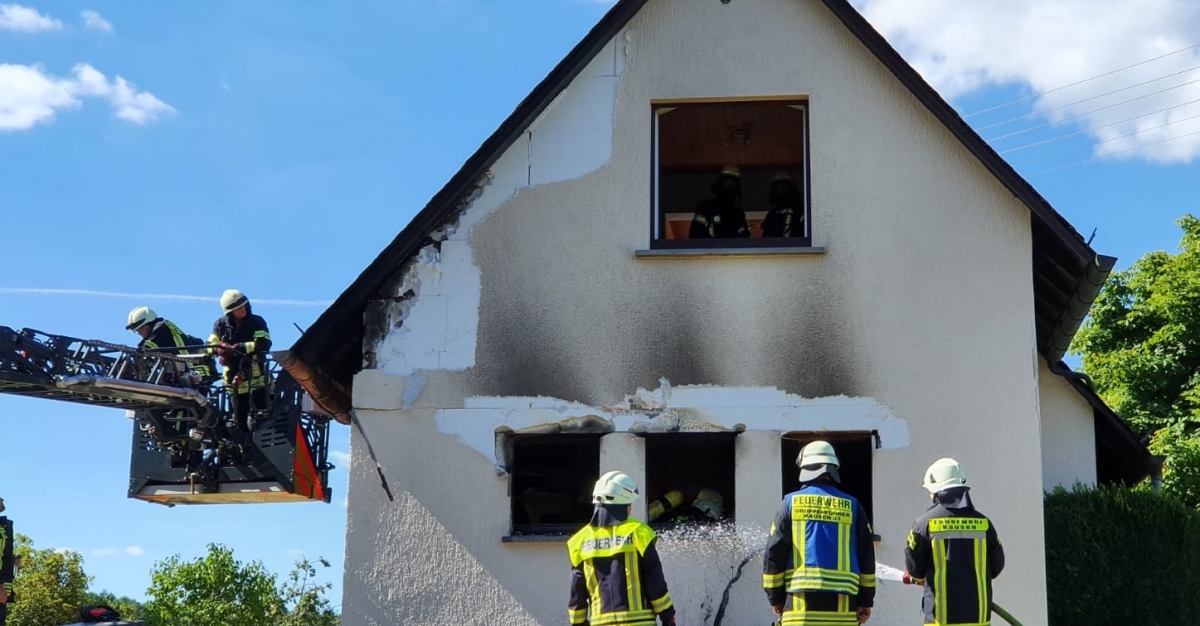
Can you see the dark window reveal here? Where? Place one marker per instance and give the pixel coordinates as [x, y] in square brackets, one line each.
[731, 174]
[854, 454]
[551, 480]
[689, 478]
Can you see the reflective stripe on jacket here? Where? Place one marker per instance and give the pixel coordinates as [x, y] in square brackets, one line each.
[820, 541]
[165, 334]
[251, 336]
[616, 576]
[955, 553]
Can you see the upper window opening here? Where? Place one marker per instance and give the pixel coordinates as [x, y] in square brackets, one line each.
[689, 478]
[731, 174]
[854, 454]
[551, 480]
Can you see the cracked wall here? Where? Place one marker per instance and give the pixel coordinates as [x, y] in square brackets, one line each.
[532, 312]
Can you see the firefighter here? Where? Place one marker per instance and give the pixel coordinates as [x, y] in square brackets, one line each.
[242, 340]
[616, 575]
[721, 216]
[157, 332]
[8, 564]
[953, 551]
[786, 216]
[820, 550]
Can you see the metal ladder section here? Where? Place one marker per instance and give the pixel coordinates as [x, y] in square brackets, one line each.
[179, 436]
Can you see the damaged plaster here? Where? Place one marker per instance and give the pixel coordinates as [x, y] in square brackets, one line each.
[431, 321]
[694, 408]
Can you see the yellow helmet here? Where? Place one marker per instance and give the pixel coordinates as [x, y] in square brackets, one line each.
[615, 488]
[139, 317]
[945, 473]
[232, 299]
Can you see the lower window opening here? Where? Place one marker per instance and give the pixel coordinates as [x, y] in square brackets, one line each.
[551, 480]
[854, 454]
[689, 479]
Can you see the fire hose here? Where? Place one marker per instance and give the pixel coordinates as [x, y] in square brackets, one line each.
[886, 572]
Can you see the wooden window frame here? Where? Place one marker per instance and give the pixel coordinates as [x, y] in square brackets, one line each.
[658, 219]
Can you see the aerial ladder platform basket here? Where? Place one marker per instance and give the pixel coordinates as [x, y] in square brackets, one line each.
[182, 452]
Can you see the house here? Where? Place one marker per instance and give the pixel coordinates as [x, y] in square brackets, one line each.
[547, 316]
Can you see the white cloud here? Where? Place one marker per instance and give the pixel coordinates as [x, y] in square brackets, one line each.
[104, 552]
[21, 19]
[29, 96]
[134, 550]
[1042, 45]
[339, 458]
[295, 552]
[92, 20]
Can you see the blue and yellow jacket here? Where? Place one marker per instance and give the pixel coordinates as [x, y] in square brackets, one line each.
[617, 577]
[821, 542]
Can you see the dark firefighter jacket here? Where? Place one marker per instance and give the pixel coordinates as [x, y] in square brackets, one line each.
[6, 550]
[717, 220]
[249, 335]
[616, 575]
[820, 544]
[954, 551]
[165, 334]
[783, 222]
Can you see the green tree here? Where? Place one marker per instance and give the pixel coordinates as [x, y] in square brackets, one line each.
[50, 587]
[1141, 347]
[305, 599]
[126, 607]
[213, 590]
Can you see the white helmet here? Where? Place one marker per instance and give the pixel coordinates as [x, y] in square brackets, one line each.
[945, 473]
[615, 488]
[139, 317]
[232, 299]
[711, 502]
[818, 458]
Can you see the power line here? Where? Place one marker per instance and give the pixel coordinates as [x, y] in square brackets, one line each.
[1107, 93]
[1094, 128]
[1080, 82]
[1104, 108]
[1135, 149]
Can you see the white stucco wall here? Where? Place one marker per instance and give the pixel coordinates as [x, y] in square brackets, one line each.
[1068, 433]
[918, 322]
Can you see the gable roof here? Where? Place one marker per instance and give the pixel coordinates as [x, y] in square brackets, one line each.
[1067, 273]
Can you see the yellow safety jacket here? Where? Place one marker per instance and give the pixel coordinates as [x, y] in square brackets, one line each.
[617, 577]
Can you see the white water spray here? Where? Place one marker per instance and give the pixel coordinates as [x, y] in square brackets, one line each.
[887, 572]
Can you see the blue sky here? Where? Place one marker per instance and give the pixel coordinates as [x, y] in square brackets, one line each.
[277, 147]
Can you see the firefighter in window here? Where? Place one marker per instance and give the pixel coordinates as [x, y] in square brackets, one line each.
[709, 506]
[786, 217]
[721, 216]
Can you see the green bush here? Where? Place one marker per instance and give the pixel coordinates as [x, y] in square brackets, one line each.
[1121, 556]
